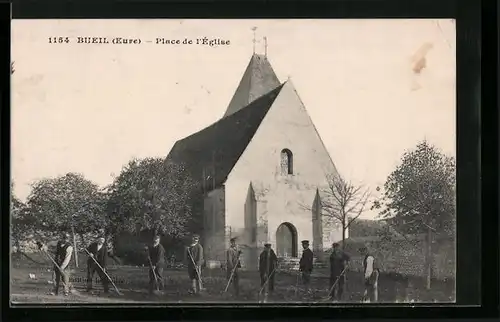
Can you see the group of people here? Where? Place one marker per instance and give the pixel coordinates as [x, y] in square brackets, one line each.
[268, 264]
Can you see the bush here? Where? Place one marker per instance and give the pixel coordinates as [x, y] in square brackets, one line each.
[132, 253]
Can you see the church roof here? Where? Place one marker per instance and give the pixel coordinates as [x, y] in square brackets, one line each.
[258, 79]
[219, 146]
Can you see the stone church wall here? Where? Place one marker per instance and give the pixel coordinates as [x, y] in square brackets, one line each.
[214, 232]
[281, 197]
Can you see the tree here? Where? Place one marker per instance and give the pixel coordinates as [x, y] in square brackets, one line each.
[344, 202]
[21, 223]
[419, 195]
[152, 194]
[68, 202]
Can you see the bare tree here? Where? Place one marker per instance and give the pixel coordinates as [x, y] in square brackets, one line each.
[344, 202]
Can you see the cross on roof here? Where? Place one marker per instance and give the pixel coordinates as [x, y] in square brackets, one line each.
[254, 40]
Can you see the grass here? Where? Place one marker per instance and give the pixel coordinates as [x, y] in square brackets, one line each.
[133, 283]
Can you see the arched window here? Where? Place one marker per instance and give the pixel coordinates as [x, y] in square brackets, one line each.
[286, 162]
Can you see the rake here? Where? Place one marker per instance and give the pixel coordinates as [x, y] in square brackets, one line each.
[106, 274]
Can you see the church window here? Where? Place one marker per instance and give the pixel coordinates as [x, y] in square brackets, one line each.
[286, 161]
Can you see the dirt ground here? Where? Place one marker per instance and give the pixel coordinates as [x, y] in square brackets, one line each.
[133, 284]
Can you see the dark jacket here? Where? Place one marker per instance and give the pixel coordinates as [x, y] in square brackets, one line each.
[194, 254]
[101, 256]
[337, 262]
[157, 255]
[306, 261]
[267, 260]
[232, 258]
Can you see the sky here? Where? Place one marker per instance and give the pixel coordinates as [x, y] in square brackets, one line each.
[90, 108]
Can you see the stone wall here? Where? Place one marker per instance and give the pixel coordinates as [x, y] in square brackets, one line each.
[407, 257]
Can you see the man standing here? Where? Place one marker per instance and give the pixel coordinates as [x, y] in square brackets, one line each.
[268, 262]
[98, 252]
[232, 265]
[194, 256]
[62, 257]
[156, 255]
[306, 265]
[338, 264]
[371, 274]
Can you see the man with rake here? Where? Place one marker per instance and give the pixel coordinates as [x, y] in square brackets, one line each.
[306, 265]
[98, 255]
[194, 254]
[156, 259]
[232, 265]
[268, 262]
[338, 265]
[61, 260]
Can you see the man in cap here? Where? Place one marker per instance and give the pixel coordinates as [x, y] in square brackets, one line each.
[62, 257]
[268, 262]
[156, 254]
[98, 252]
[232, 265]
[371, 274]
[195, 261]
[338, 265]
[306, 264]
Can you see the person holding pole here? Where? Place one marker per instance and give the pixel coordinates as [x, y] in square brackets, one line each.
[232, 265]
[306, 265]
[194, 256]
[156, 254]
[62, 258]
[268, 262]
[371, 275]
[338, 264]
[98, 254]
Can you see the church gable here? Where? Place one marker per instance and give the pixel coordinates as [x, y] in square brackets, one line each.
[258, 79]
[287, 144]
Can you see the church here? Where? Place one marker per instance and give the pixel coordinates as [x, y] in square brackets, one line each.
[262, 166]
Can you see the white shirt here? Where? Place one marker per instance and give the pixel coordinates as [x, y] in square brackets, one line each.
[369, 266]
[99, 247]
[69, 252]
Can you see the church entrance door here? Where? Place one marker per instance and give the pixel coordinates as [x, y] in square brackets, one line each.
[286, 240]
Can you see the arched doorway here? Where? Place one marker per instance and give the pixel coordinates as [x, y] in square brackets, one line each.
[286, 240]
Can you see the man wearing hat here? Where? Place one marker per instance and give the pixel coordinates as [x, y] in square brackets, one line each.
[232, 265]
[371, 274]
[63, 253]
[268, 262]
[338, 265]
[156, 254]
[306, 264]
[194, 255]
[98, 252]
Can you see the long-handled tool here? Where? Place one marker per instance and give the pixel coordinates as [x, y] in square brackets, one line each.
[106, 274]
[267, 280]
[196, 269]
[331, 288]
[57, 266]
[232, 274]
[297, 283]
[154, 273]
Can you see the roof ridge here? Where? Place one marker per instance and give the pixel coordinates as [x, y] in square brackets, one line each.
[218, 147]
[239, 112]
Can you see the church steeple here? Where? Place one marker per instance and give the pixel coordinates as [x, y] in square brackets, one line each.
[258, 79]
